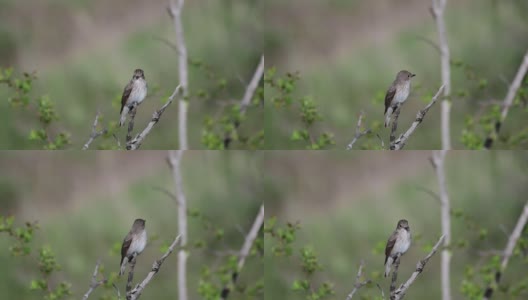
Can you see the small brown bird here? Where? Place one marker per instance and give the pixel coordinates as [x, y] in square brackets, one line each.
[398, 243]
[134, 93]
[133, 244]
[397, 93]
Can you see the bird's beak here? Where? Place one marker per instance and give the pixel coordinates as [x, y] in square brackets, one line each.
[412, 75]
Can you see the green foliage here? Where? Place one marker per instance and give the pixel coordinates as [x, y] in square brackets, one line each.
[282, 240]
[280, 92]
[47, 263]
[42, 107]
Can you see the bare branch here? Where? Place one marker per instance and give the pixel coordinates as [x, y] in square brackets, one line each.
[508, 251]
[244, 251]
[359, 284]
[130, 276]
[248, 95]
[174, 160]
[396, 266]
[359, 133]
[136, 292]
[394, 126]
[400, 292]
[131, 124]
[402, 140]
[175, 11]
[95, 134]
[138, 140]
[94, 284]
[508, 101]
[437, 10]
[438, 161]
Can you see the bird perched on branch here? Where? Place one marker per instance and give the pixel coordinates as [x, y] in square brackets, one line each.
[398, 243]
[397, 93]
[134, 93]
[133, 244]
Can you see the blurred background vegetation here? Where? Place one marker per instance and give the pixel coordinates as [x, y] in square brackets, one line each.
[347, 205]
[85, 205]
[347, 53]
[84, 53]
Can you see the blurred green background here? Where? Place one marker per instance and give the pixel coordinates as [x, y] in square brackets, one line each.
[347, 53]
[348, 204]
[86, 203]
[84, 53]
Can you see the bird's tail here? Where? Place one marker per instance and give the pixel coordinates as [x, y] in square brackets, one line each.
[388, 266]
[388, 116]
[124, 262]
[124, 113]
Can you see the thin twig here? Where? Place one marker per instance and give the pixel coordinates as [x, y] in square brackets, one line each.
[175, 11]
[359, 133]
[402, 140]
[174, 160]
[359, 284]
[508, 101]
[508, 251]
[400, 292]
[244, 251]
[248, 95]
[94, 284]
[138, 140]
[94, 134]
[136, 292]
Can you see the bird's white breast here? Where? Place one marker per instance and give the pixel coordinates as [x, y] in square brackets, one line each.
[403, 93]
[403, 242]
[139, 92]
[138, 245]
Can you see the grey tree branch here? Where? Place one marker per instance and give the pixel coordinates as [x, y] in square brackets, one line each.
[248, 95]
[394, 126]
[508, 251]
[138, 289]
[359, 284]
[95, 283]
[438, 161]
[135, 143]
[437, 10]
[400, 292]
[359, 133]
[130, 277]
[394, 278]
[244, 251]
[508, 101]
[402, 140]
[175, 11]
[131, 124]
[94, 134]
[174, 160]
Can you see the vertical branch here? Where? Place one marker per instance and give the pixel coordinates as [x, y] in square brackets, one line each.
[394, 126]
[244, 251]
[131, 124]
[438, 162]
[437, 10]
[175, 165]
[512, 241]
[175, 11]
[130, 277]
[508, 101]
[396, 266]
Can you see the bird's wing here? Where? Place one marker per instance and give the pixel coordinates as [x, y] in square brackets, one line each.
[126, 244]
[389, 96]
[390, 244]
[126, 94]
